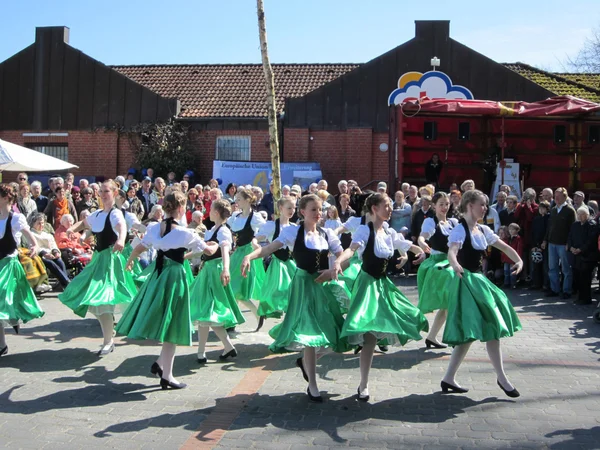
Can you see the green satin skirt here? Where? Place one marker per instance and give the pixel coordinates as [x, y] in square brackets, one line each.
[137, 268]
[478, 311]
[433, 278]
[213, 304]
[161, 309]
[144, 275]
[351, 273]
[250, 287]
[313, 317]
[17, 301]
[379, 308]
[276, 288]
[102, 285]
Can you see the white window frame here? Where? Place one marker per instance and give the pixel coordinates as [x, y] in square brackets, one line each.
[43, 148]
[240, 137]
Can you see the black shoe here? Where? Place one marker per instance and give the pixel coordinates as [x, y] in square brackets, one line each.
[17, 328]
[448, 387]
[312, 398]
[156, 370]
[513, 394]
[261, 322]
[357, 350]
[202, 360]
[551, 294]
[4, 351]
[383, 348]
[232, 353]
[362, 398]
[431, 344]
[300, 364]
[166, 384]
[566, 296]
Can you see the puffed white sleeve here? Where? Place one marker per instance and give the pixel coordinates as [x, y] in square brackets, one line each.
[194, 242]
[458, 235]
[361, 236]
[352, 224]
[225, 237]
[335, 245]
[19, 223]
[288, 236]
[257, 222]
[400, 243]
[267, 230]
[116, 217]
[152, 232]
[92, 220]
[428, 228]
[490, 237]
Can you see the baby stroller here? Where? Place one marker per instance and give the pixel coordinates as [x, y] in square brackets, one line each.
[75, 263]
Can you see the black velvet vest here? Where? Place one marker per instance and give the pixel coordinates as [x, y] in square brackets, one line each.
[174, 254]
[283, 253]
[438, 241]
[214, 238]
[107, 237]
[7, 243]
[309, 259]
[468, 257]
[372, 264]
[246, 234]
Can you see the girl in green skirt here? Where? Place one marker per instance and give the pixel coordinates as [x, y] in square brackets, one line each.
[378, 309]
[161, 309]
[213, 303]
[435, 272]
[103, 285]
[17, 300]
[281, 270]
[313, 319]
[477, 309]
[244, 227]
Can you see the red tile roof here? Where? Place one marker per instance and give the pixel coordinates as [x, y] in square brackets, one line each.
[235, 90]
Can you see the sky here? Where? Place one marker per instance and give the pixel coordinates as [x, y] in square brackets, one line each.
[542, 33]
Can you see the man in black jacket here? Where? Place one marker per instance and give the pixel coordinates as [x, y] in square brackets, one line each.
[539, 226]
[562, 217]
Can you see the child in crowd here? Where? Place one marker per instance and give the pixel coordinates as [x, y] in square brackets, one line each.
[539, 276]
[514, 241]
[333, 222]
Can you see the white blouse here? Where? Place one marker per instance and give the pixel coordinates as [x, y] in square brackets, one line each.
[97, 219]
[428, 229]
[18, 223]
[237, 222]
[268, 230]
[479, 240]
[178, 237]
[385, 242]
[313, 241]
[224, 235]
[352, 224]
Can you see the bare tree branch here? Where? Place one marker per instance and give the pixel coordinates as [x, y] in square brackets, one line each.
[588, 58]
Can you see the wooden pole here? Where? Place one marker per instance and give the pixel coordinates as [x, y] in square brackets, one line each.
[271, 103]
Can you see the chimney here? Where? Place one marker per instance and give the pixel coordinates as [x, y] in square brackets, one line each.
[53, 34]
[439, 29]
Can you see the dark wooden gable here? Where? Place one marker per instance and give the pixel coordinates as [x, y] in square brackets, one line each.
[359, 98]
[53, 86]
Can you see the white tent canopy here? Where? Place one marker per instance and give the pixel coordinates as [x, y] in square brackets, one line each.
[14, 158]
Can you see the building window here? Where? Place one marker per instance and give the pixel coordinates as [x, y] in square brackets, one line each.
[233, 148]
[60, 151]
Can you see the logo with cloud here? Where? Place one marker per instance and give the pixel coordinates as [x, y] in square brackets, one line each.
[413, 86]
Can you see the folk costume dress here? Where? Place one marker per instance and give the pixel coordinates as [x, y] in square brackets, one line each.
[244, 229]
[130, 220]
[161, 309]
[281, 271]
[435, 272]
[104, 284]
[314, 316]
[17, 301]
[212, 303]
[351, 273]
[378, 307]
[477, 309]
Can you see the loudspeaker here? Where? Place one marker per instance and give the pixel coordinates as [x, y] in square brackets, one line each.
[464, 131]
[560, 134]
[430, 131]
[593, 134]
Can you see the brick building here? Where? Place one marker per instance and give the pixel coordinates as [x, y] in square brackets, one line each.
[56, 99]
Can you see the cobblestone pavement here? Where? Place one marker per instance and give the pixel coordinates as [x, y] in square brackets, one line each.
[56, 393]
